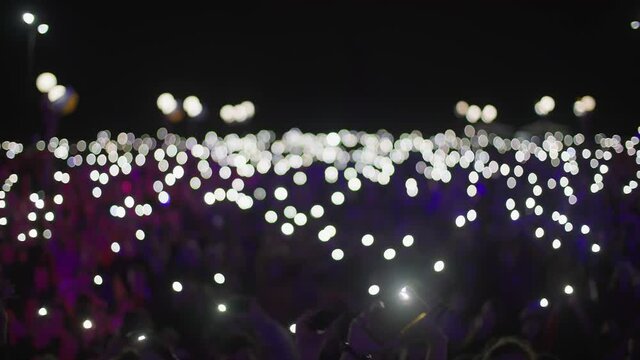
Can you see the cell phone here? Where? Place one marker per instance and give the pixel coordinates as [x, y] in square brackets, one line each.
[399, 313]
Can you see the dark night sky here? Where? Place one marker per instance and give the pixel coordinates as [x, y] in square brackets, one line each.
[323, 66]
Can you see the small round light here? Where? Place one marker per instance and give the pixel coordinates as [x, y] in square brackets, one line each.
[438, 266]
[87, 324]
[140, 234]
[42, 311]
[222, 307]
[218, 278]
[45, 82]
[56, 93]
[97, 280]
[389, 254]
[544, 302]
[115, 247]
[595, 248]
[374, 290]
[142, 338]
[28, 18]
[407, 240]
[337, 254]
[568, 289]
[292, 328]
[584, 229]
[556, 244]
[43, 28]
[367, 240]
[176, 286]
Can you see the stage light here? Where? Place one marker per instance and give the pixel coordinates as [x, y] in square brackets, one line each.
[142, 338]
[438, 266]
[45, 82]
[337, 198]
[87, 324]
[219, 278]
[28, 18]
[176, 286]
[43, 29]
[42, 311]
[461, 108]
[97, 280]
[374, 290]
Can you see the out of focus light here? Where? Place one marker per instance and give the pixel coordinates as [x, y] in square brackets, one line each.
[140, 234]
[389, 254]
[438, 266]
[545, 105]
[317, 211]
[45, 82]
[292, 328]
[568, 289]
[222, 307]
[166, 103]
[407, 240]
[635, 25]
[544, 302]
[28, 18]
[460, 221]
[585, 229]
[42, 311]
[115, 247]
[142, 338]
[56, 93]
[87, 324]
[374, 290]
[192, 106]
[367, 240]
[271, 216]
[43, 28]
[176, 286]
[489, 114]
[556, 244]
[287, 229]
[461, 108]
[97, 280]
[337, 198]
[403, 294]
[218, 278]
[280, 193]
[337, 254]
[595, 248]
[539, 232]
[473, 114]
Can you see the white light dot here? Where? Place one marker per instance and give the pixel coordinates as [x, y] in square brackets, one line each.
[299, 178]
[300, 219]
[222, 307]
[585, 229]
[515, 215]
[510, 204]
[271, 216]
[87, 324]
[337, 198]
[280, 193]
[290, 212]
[337, 254]
[115, 247]
[97, 280]
[389, 254]
[287, 229]
[129, 202]
[317, 211]
[556, 244]
[460, 221]
[219, 278]
[544, 302]
[22, 237]
[367, 240]
[32, 216]
[407, 240]
[438, 266]
[595, 248]
[42, 311]
[374, 290]
[140, 234]
[28, 18]
[539, 232]
[33, 233]
[142, 338]
[568, 289]
[472, 215]
[176, 286]
[292, 328]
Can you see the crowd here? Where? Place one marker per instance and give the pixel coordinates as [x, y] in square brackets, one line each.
[71, 296]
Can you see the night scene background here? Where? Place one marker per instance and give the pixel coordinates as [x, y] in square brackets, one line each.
[403, 180]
